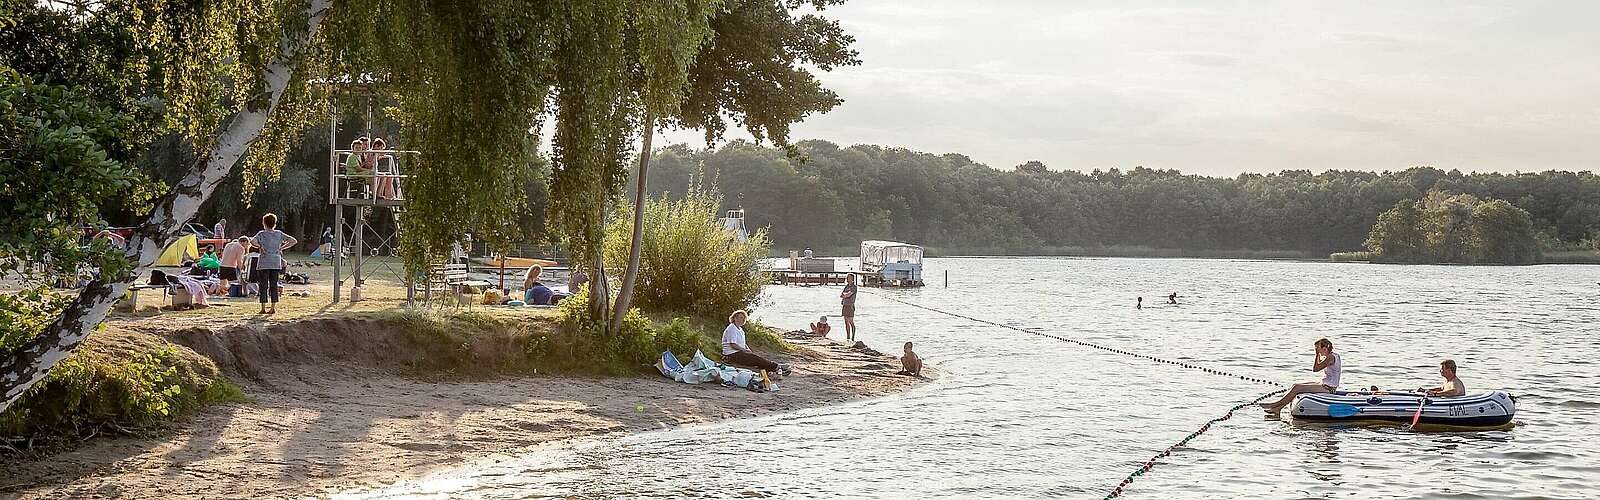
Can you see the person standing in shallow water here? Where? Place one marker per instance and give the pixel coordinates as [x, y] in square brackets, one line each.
[847, 300]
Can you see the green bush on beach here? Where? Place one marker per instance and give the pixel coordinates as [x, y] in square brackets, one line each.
[688, 262]
[118, 382]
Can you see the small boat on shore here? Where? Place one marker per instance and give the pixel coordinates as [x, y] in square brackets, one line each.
[1489, 410]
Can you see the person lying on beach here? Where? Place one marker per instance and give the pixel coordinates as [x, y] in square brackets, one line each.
[821, 328]
[910, 363]
[734, 349]
[1325, 361]
[1452, 385]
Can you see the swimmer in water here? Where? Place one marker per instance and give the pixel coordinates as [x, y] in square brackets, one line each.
[1139, 304]
[1172, 299]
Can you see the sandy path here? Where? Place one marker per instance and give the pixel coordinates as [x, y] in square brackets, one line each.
[310, 432]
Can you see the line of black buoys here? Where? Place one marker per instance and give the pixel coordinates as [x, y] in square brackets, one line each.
[1089, 344]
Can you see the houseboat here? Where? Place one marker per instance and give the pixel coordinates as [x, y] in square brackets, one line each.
[891, 263]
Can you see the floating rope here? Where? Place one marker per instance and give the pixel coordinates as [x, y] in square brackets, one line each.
[1151, 463]
[1148, 464]
[1184, 364]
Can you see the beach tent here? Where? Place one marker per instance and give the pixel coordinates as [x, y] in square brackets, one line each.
[184, 246]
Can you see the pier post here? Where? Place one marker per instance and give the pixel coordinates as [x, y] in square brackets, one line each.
[947, 278]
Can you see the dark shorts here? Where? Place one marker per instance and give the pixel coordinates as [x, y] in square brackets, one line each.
[229, 273]
[848, 311]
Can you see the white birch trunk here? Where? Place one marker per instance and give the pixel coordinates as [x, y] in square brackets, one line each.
[625, 294]
[34, 359]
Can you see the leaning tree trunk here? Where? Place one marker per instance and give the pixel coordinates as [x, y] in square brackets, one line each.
[33, 360]
[625, 293]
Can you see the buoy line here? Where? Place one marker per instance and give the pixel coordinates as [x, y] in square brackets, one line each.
[1184, 364]
[1148, 464]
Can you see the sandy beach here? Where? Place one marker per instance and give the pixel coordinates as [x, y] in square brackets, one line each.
[329, 413]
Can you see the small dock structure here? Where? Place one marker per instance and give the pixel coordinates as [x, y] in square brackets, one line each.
[806, 278]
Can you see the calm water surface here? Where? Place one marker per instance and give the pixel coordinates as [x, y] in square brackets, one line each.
[1015, 415]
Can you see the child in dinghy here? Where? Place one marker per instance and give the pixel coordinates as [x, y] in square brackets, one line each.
[1325, 361]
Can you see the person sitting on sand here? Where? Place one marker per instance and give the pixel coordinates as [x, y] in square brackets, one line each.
[910, 363]
[1325, 361]
[1452, 385]
[734, 349]
[821, 328]
[535, 293]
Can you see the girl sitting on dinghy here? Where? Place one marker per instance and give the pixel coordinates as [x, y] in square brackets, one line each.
[1326, 362]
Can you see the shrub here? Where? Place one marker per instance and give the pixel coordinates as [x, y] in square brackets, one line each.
[683, 339]
[581, 343]
[688, 262]
[132, 382]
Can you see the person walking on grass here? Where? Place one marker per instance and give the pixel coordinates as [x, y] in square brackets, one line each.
[272, 242]
[848, 309]
[736, 351]
[1325, 361]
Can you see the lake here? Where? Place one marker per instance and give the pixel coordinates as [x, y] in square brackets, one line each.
[1016, 415]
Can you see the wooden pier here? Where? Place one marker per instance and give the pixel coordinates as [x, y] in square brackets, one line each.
[803, 278]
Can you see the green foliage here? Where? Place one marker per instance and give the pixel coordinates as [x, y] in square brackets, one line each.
[1455, 228]
[688, 261]
[95, 389]
[1398, 235]
[24, 314]
[757, 69]
[843, 195]
[1504, 234]
[581, 342]
[764, 337]
[684, 339]
[56, 177]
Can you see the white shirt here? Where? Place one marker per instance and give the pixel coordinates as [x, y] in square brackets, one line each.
[731, 337]
[1330, 374]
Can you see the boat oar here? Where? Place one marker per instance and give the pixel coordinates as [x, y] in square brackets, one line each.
[1422, 402]
[1339, 410]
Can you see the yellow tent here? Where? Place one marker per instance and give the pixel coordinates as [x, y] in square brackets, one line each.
[174, 254]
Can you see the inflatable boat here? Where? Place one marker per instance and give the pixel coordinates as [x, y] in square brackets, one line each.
[1486, 410]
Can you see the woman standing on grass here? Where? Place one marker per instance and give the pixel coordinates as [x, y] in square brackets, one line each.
[272, 242]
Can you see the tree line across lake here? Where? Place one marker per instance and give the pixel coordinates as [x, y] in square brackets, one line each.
[838, 196]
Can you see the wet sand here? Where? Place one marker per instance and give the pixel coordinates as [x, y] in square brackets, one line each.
[314, 428]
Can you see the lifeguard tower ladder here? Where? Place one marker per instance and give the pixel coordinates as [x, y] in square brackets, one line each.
[355, 198]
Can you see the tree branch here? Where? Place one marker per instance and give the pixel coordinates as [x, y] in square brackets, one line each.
[34, 359]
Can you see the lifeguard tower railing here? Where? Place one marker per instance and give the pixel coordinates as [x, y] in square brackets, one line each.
[360, 248]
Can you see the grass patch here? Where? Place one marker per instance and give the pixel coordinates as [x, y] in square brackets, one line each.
[118, 382]
[1571, 257]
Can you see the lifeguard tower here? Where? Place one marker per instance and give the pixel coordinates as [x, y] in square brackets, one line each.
[371, 184]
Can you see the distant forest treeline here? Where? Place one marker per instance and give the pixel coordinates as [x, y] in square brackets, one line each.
[843, 195]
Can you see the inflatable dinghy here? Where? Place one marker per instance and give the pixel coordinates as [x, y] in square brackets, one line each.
[1487, 410]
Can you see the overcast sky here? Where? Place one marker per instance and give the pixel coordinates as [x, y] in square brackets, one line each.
[1224, 88]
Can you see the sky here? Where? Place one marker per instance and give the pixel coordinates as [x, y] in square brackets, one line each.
[1220, 87]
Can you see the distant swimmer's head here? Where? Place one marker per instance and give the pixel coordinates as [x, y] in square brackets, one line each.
[1447, 368]
[1324, 346]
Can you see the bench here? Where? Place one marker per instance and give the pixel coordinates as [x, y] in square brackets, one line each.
[454, 279]
[133, 294]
